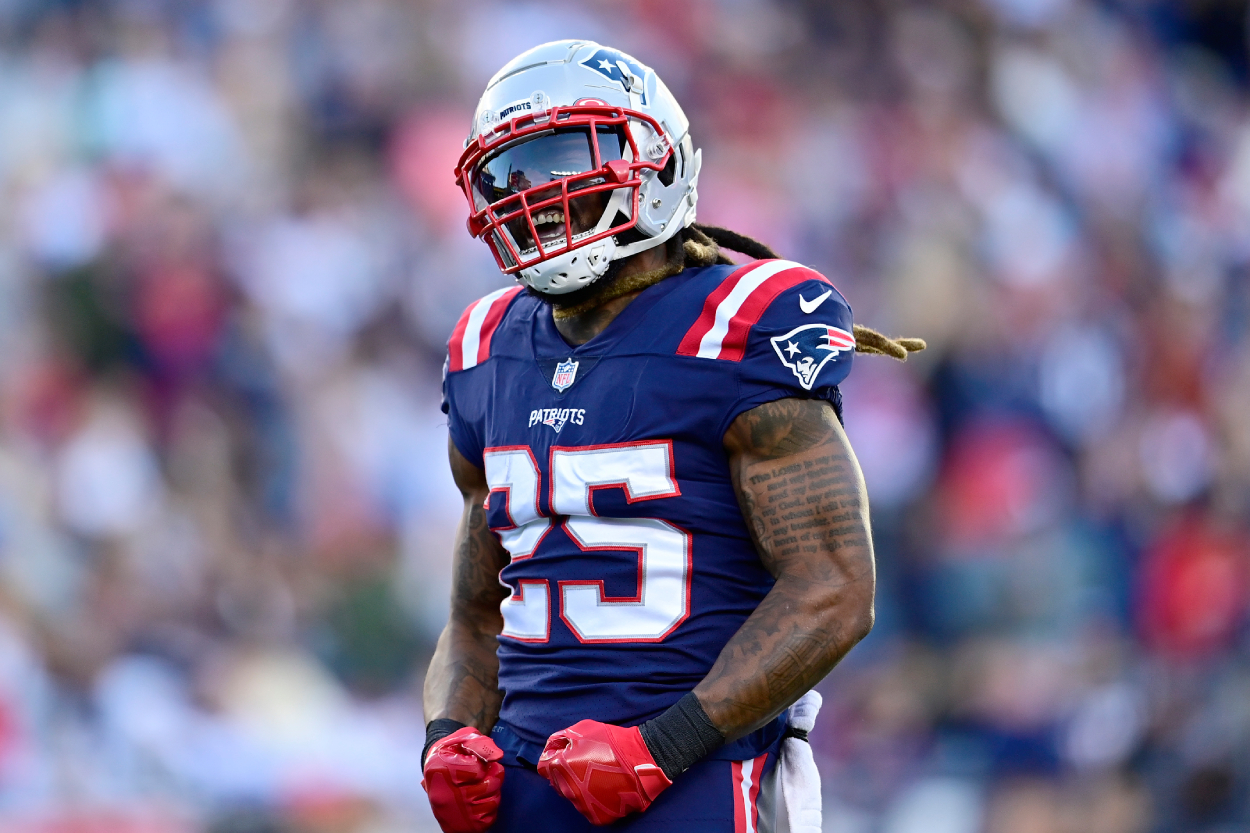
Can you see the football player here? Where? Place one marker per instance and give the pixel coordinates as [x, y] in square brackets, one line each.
[665, 537]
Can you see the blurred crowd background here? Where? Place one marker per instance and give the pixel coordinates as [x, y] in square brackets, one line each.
[231, 254]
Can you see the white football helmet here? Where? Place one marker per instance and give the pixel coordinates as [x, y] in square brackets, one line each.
[578, 156]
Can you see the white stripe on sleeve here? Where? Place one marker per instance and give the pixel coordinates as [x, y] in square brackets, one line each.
[710, 344]
[473, 330]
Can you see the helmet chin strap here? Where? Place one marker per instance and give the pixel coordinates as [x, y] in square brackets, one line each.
[618, 202]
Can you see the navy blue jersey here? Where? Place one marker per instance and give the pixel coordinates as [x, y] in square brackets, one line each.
[631, 565]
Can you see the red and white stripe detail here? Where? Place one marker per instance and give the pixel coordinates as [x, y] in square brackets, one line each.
[841, 339]
[470, 341]
[737, 304]
[746, 786]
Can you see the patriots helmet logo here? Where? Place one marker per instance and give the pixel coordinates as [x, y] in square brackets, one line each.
[619, 67]
[807, 349]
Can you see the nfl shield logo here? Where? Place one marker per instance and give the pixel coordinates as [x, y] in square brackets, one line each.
[566, 373]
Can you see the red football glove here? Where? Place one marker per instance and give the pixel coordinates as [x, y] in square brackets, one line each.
[606, 771]
[463, 778]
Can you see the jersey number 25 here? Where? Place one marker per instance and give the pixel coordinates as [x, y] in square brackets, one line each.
[644, 470]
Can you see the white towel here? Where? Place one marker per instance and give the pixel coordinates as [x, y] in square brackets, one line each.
[799, 807]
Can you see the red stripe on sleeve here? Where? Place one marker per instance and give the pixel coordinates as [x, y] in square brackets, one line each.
[491, 322]
[690, 342]
[734, 344]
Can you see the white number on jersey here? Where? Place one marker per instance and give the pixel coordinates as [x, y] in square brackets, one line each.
[513, 471]
[645, 471]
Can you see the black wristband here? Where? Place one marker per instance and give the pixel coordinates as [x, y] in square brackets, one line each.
[435, 731]
[792, 732]
[681, 736]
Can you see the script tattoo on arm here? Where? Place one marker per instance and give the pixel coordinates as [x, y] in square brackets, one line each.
[803, 500]
[462, 682]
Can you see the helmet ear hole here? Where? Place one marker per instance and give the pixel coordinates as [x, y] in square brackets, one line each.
[669, 171]
[629, 236]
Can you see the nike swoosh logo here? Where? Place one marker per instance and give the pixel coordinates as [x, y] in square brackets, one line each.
[810, 306]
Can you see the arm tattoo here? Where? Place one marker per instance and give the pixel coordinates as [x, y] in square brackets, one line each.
[463, 679]
[803, 501]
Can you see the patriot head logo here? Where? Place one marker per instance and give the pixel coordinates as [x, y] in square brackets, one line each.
[565, 376]
[807, 349]
[556, 419]
[618, 67]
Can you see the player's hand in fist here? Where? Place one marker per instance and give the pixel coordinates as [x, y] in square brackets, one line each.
[606, 771]
[463, 778]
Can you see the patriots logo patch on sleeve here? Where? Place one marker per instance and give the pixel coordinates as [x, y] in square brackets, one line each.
[807, 349]
[617, 67]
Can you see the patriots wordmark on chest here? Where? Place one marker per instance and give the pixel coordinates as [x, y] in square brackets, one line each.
[557, 418]
[807, 349]
[565, 375]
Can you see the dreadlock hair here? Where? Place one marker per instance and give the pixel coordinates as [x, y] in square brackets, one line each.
[700, 245]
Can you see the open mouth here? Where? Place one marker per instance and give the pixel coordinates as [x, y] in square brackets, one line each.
[553, 226]
[550, 225]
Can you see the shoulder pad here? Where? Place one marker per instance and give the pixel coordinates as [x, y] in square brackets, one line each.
[470, 341]
[735, 306]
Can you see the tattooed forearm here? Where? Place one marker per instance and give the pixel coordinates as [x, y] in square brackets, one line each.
[803, 500]
[463, 679]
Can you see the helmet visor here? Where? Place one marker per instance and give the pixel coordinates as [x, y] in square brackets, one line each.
[544, 159]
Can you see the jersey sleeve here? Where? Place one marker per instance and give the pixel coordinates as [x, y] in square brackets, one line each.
[470, 347]
[801, 346]
[464, 431]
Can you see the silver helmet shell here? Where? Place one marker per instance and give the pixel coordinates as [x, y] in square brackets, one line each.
[577, 76]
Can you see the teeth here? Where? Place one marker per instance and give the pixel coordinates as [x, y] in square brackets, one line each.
[548, 217]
